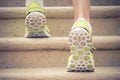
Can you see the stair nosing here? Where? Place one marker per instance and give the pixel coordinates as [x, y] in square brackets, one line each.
[62, 12]
[55, 43]
[101, 73]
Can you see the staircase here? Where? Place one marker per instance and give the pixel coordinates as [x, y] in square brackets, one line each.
[46, 59]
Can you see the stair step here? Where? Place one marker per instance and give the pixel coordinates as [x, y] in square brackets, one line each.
[41, 59]
[54, 43]
[59, 3]
[53, 52]
[61, 12]
[93, 2]
[12, 20]
[101, 73]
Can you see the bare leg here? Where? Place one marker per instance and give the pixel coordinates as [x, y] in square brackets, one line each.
[81, 9]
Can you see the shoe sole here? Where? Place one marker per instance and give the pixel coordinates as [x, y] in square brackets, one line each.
[81, 59]
[34, 21]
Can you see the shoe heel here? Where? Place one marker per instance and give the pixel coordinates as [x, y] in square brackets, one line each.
[34, 21]
[81, 59]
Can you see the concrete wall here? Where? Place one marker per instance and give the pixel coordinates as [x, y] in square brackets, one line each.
[19, 3]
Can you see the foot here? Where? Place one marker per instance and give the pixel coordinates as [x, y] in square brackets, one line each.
[80, 41]
[35, 21]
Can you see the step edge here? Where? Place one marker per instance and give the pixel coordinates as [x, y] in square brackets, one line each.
[96, 12]
[24, 44]
[103, 73]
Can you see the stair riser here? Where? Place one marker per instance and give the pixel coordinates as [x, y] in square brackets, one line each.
[36, 59]
[58, 2]
[60, 27]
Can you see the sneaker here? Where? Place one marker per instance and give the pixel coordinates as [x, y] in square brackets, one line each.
[80, 41]
[35, 21]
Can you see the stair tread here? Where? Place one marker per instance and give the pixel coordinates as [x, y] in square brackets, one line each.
[59, 3]
[101, 73]
[96, 11]
[55, 43]
[13, 23]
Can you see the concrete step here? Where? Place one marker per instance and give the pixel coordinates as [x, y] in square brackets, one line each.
[101, 73]
[14, 3]
[53, 52]
[12, 20]
[54, 43]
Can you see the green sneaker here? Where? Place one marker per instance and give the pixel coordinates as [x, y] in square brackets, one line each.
[35, 21]
[80, 41]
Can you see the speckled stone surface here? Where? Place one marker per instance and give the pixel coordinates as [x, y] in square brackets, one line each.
[57, 43]
[13, 20]
[31, 53]
[101, 73]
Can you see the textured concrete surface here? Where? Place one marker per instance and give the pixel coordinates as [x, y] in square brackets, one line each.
[101, 26]
[55, 43]
[26, 53]
[101, 73]
[59, 3]
[56, 58]
[61, 12]
[12, 21]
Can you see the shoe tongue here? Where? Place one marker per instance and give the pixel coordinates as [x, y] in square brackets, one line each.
[82, 23]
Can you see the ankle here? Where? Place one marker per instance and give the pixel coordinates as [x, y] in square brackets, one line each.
[78, 23]
[39, 1]
[86, 18]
